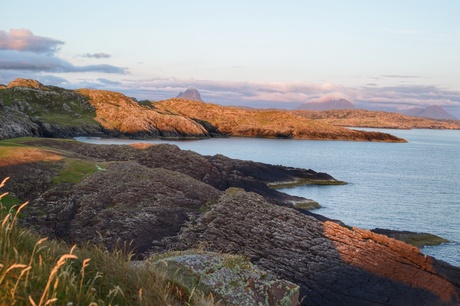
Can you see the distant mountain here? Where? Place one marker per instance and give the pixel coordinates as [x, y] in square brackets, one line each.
[190, 94]
[376, 119]
[326, 105]
[432, 111]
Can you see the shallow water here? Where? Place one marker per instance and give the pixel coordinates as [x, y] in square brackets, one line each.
[411, 186]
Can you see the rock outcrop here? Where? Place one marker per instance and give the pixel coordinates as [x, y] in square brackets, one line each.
[413, 238]
[333, 265]
[218, 171]
[28, 108]
[231, 279]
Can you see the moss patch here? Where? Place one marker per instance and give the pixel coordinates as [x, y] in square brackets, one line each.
[231, 279]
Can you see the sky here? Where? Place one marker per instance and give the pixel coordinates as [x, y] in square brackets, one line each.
[380, 54]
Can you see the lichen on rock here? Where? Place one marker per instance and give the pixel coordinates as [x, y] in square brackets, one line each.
[229, 278]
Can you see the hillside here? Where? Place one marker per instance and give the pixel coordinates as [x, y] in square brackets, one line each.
[28, 108]
[377, 119]
[163, 199]
[264, 123]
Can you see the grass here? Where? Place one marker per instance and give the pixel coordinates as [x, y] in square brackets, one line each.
[49, 105]
[75, 170]
[36, 271]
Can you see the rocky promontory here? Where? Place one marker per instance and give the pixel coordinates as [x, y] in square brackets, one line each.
[234, 121]
[163, 199]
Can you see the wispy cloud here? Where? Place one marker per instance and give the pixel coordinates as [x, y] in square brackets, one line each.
[397, 76]
[97, 55]
[14, 60]
[21, 50]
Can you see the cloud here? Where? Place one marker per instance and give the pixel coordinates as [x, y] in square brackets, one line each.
[397, 76]
[288, 95]
[21, 50]
[331, 96]
[16, 60]
[109, 82]
[25, 40]
[96, 55]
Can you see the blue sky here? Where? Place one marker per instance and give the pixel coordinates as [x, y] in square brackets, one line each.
[378, 54]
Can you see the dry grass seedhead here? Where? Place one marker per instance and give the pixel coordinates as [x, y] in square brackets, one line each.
[39, 272]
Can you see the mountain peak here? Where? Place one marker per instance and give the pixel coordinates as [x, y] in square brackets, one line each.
[326, 105]
[432, 111]
[190, 94]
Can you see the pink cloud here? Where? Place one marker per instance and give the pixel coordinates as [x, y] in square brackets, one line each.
[25, 40]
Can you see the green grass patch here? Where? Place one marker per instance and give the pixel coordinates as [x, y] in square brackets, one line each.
[9, 201]
[7, 147]
[14, 142]
[5, 97]
[75, 170]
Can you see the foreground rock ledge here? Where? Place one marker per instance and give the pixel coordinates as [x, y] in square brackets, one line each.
[332, 265]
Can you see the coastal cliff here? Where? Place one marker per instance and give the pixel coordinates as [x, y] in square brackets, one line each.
[164, 199]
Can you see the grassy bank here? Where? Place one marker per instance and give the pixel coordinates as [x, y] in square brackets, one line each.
[36, 271]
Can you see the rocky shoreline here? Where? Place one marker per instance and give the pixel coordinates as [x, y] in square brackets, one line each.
[164, 199]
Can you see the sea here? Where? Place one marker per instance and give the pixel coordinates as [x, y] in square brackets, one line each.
[413, 186]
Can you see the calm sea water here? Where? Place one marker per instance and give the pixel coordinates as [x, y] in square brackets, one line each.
[411, 186]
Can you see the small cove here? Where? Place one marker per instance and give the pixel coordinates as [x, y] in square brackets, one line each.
[411, 186]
